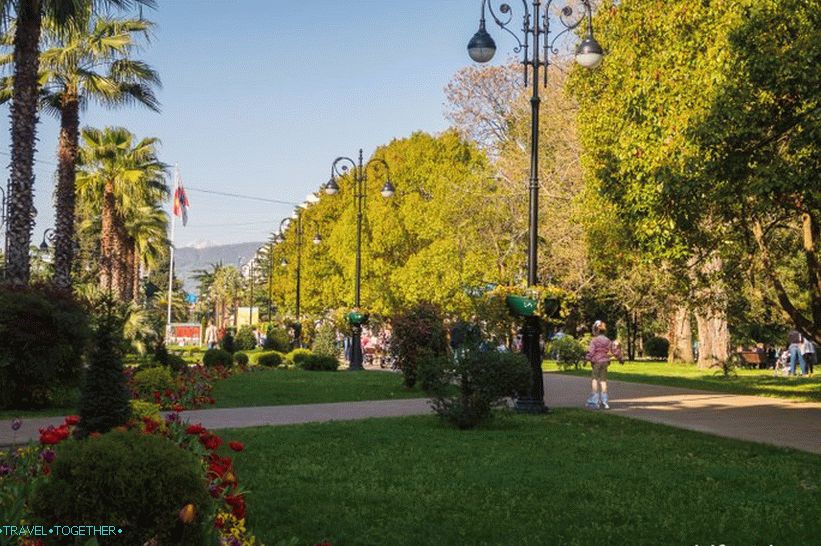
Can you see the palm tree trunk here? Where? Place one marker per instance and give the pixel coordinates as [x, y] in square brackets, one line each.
[119, 271]
[135, 290]
[128, 268]
[107, 238]
[65, 194]
[23, 139]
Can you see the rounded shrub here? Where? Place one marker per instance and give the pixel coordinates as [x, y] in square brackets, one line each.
[568, 352]
[418, 334]
[149, 380]
[276, 339]
[44, 335]
[176, 363]
[657, 347]
[217, 357]
[133, 481]
[241, 358]
[245, 340]
[319, 363]
[270, 359]
[297, 356]
[141, 409]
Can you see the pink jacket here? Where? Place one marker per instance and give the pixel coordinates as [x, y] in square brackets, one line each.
[602, 350]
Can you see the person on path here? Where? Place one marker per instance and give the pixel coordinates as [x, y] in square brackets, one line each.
[810, 356]
[211, 335]
[600, 352]
[796, 341]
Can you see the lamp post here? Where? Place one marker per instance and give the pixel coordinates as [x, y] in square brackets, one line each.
[236, 293]
[248, 269]
[48, 239]
[481, 48]
[280, 238]
[270, 280]
[340, 167]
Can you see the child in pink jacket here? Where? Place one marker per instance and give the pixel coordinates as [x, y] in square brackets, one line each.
[600, 352]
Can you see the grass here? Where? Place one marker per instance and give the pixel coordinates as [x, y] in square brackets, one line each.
[569, 478]
[752, 382]
[274, 387]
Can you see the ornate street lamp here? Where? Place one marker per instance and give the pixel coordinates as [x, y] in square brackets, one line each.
[481, 48]
[297, 218]
[358, 170]
[48, 239]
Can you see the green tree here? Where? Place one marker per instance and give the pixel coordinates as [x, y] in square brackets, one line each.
[28, 20]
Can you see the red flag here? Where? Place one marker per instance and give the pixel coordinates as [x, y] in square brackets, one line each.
[181, 204]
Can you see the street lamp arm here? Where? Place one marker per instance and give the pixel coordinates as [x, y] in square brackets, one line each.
[378, 161]
[566, 18]
[335, 168]
[505, 20]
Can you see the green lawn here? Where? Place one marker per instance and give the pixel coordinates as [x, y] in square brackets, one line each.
[573, 477]
[754, 382]
[274, 387]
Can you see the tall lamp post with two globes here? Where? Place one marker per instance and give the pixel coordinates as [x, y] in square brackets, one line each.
[589, 54]
[358, 171]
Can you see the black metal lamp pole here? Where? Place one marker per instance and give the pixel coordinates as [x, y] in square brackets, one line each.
[270, 280]
[340, 167]
[280, 238]
[481, 48]
[236, 293]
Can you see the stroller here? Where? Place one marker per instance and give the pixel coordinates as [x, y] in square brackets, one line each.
[782, 364]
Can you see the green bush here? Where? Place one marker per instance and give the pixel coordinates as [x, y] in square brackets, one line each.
[568, 352]
[141, 409]
[227, 342]
[104, 401]
[133, 481]
[149, 380]
[270, 359]
[245, 340]
[297, 356]
[657, 347]
[176, 364]
[325, 340]
[241, 358]
[418, 333]
[44, 335]
[484, 380]
[319, 363]
[217, 357]
[277, 340]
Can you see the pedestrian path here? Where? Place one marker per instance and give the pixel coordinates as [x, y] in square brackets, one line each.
[766, 420]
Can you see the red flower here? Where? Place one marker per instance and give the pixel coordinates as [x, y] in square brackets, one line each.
[218, 522]
[210, 441]
[72, 420]
[150, 424]
[52, 436]
[195, 429]
[177, 407]
[236, 446]
[237, 504]
[46, 470]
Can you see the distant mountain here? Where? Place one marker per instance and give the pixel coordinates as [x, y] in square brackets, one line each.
[189, 259]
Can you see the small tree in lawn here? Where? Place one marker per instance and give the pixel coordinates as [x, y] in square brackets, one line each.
[418, 333]
[105, 400]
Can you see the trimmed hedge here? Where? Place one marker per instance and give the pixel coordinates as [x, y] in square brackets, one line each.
[298, 355]
[217, 357]
[319, 363]
[271, 359]
[241, 358]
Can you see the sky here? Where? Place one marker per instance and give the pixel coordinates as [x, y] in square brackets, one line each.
[259, 97]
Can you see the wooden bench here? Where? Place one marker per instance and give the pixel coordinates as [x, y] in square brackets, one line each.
[752, 359]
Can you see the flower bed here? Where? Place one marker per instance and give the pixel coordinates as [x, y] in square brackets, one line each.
[23, 468]
[192, 387]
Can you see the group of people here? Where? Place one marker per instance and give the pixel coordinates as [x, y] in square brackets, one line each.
[798, 357]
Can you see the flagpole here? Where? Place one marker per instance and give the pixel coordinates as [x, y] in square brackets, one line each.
[171, 255]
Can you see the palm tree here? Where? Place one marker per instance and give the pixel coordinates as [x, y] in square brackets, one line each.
[146, 226]
[26, 57]
[89, 60]
[122, 176]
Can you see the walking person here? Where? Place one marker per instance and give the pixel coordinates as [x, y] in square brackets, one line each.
[810, 356]
[795, 349]
[600, 352]
[211, 335]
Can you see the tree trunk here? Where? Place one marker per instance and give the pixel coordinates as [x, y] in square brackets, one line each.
[137, 275]
[23, 139]
[713, 339]
[128, 267]
[680, 336]
[107, 239]
[65, 194]
[120, 264]
[810, 233]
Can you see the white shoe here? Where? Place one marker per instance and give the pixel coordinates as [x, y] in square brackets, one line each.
[603, 402]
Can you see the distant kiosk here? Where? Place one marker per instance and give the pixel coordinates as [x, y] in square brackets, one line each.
[185, 333]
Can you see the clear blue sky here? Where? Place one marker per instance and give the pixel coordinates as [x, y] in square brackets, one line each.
[259, 96]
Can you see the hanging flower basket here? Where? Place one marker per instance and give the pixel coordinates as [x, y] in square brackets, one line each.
[522, 306]
[357, 317]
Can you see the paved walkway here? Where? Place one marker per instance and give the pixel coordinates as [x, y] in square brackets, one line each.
[757, 419]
